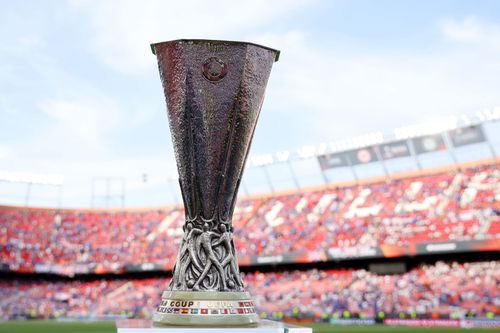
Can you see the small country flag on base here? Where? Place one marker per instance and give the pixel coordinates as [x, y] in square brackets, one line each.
[204, 311]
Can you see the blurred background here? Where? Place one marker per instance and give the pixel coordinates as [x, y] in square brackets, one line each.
[371, 193]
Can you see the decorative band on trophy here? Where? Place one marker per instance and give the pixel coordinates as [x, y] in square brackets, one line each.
[206, 304]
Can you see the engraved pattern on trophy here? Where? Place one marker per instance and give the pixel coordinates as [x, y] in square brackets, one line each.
[214, 92]
[207, 261]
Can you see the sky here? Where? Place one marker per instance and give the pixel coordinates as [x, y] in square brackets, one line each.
[80, 93]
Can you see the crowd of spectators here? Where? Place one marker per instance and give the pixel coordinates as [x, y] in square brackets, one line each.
[449, 290]
[430, 290]
[448, 206]
[457, 205]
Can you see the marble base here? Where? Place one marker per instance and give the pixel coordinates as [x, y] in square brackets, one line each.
[263, 326]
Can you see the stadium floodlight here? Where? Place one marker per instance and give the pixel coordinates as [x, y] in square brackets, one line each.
[283, 156]
[306, 152]
[376, 138]
[31, 178]
[488, 114]
[404, 132]
[345, 144]
[334, 146]
[321, 149]
[356, 142]
[496, 113]
[466, 119]
[262, 160]
[433, 126]
[481, 116]
[437, 125]
[364, 140]
[400, 133]
[491, 114]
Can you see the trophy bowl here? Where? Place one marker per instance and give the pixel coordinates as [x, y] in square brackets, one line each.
[214, 92]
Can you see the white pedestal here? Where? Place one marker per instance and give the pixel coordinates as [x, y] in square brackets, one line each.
[264, 326]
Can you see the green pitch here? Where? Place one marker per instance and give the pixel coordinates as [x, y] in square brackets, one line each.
[34, 326]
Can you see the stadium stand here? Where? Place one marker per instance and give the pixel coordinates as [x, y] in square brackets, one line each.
[447, 206]
[428, 213]
[441, 290]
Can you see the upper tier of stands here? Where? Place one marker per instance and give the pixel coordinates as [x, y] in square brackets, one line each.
[449, 205]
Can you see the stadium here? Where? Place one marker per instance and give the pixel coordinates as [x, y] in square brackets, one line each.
[415, 248]
[372, 225]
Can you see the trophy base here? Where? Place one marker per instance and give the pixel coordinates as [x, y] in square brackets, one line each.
[264, 326]
[206, 308]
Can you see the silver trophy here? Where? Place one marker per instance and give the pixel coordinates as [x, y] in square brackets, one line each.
[214, 92]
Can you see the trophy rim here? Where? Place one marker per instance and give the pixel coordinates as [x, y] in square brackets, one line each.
[196, 40]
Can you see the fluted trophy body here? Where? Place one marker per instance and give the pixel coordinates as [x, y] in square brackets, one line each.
[214, 92]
